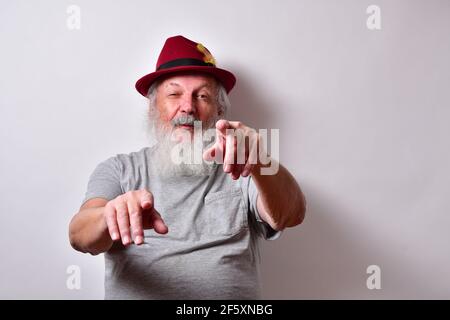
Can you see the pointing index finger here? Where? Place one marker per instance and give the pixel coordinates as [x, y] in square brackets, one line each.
[221, 127]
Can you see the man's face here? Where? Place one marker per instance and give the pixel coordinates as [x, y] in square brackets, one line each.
[192, 95]
[180, 100]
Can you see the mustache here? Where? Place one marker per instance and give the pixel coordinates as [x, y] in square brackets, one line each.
[184, 120]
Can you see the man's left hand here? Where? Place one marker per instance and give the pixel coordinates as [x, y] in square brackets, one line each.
[237, 146]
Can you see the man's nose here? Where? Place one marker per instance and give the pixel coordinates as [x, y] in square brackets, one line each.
[188, 106]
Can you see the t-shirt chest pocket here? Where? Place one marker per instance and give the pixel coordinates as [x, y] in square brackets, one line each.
[226, 212]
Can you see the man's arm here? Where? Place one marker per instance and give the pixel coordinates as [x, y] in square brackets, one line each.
[88, 231]
[100, 222]
[281, 202]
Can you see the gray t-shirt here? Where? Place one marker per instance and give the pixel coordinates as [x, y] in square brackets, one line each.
[211, 249]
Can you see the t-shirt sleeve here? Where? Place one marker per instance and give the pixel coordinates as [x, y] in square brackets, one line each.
[104, 182]
[262, 227]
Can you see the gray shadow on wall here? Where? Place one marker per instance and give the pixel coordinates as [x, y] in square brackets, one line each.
[251, 105]
[327, 258]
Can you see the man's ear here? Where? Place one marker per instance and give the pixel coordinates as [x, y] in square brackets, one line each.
[220, 111]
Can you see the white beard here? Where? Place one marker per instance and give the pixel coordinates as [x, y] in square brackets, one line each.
[166, 148]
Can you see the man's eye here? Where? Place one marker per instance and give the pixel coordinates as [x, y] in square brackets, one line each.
[172, 94]
[202, 96]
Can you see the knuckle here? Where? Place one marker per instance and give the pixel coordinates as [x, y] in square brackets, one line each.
[135, 214]
[124, 228]
[108, 208]
[109, 215]
[130, 195]
[122, 213]
[145, 193]
[120, 204]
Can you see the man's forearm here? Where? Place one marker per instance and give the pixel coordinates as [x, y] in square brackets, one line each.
[88, 231]
[283, 203]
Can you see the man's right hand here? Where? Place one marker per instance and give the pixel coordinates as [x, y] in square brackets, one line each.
[129, 214]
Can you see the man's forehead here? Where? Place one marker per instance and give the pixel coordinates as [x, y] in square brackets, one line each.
[197, 80]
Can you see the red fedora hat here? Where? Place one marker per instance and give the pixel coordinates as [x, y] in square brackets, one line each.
[181, 54]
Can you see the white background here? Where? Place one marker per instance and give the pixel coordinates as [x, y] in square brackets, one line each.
[363, 118]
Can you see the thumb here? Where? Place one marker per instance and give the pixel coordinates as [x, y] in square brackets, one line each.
[158, 223]
[210, 153]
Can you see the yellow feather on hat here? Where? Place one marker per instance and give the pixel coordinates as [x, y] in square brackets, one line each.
[207, 56]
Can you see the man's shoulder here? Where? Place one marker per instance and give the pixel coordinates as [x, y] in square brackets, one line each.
[131, 159]
[141, 154]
